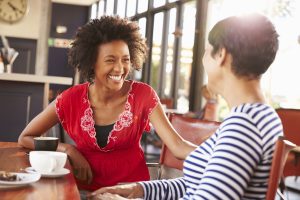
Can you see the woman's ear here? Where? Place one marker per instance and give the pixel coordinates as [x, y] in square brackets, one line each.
[221, 56]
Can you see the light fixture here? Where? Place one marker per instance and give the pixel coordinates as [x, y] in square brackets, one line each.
[61, 29]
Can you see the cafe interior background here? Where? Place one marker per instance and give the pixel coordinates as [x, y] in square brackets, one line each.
[176, 32]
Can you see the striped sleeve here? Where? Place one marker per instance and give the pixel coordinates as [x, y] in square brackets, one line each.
[164, 189]
[236, 154]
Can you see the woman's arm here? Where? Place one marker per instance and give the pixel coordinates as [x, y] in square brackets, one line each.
[178, 146]
[39, 125]
[43, 122]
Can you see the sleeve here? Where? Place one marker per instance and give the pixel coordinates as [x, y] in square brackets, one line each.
[164, 189]
[150, 101]
[234, 159]
[61, 105]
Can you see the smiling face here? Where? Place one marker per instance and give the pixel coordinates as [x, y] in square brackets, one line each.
[112, 65]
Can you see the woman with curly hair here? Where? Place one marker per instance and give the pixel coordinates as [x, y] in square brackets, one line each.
[106, 115]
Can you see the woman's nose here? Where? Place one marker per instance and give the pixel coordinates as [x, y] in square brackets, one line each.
[118, 66]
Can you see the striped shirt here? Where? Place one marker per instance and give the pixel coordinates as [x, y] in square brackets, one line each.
[234, 163]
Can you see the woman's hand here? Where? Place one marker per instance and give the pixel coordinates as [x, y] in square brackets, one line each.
[107, 196]
[130, 191]
[81, 168]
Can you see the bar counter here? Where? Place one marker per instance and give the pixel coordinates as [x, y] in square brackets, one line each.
[22, 97]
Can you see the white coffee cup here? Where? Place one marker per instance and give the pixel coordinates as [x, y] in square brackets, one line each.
[47, 161]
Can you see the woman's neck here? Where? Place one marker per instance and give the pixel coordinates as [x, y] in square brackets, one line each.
[240, 91]
[105, 96]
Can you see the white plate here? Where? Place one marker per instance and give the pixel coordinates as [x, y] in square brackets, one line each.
[24, 179]
[54, 174]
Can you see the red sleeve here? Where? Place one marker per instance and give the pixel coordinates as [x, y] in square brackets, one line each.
[59, 102]
[150, 100]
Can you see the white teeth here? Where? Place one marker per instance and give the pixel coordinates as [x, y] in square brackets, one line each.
[116, 78]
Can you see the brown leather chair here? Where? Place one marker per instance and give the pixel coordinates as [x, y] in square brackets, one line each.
[291, 127]
[193, 130]
[282, 149]
[168, 102]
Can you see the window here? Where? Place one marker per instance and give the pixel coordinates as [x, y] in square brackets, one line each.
[121, 8]
[131, 7]
[158, 3]
[186, 54]
[170, 49]
[156, 50]
[142, 5]
[168, 26]
[109, 7]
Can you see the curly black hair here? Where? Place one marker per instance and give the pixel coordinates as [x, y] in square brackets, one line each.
[251, 40]
[84, 49]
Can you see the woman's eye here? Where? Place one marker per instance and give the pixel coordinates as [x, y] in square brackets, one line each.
[109, 61]
[127, 60]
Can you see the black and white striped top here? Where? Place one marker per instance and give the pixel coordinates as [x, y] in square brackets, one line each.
[234, 163]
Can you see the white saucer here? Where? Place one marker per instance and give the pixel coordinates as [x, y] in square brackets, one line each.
[24, 179]
[54, 174]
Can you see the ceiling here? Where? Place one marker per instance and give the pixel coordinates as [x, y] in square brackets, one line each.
[76, 2]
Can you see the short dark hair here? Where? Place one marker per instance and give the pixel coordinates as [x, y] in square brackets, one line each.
[84, 49]
[251, 40]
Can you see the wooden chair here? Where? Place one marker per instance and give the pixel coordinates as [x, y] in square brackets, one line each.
[193, 130]
[282, 149]
[290, 120]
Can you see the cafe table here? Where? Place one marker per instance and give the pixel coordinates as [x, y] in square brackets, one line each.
[15, 159]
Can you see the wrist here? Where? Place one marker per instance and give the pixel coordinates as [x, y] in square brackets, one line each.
[65, 148]
[139, 190]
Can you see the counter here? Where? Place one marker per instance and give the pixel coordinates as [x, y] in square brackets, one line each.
[22, 97]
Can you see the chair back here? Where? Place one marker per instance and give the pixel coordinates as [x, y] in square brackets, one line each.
[168, 102]
[193, 130]
[290, 121]
[282, 148]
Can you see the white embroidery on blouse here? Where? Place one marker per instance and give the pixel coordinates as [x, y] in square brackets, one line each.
[87, 122]
[85, 100]
[57, 110]
[125, 119]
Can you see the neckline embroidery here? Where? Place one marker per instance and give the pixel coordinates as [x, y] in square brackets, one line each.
[124, 120]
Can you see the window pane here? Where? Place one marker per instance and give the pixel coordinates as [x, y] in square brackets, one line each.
[109, 7]
[131, 6]
[137, 75]
[186, 55]
[142, 5]
[158, 3]
[156, 50]
[170, 46]
[142, 25]
[94, 11]
[121, 8]
[100, 8]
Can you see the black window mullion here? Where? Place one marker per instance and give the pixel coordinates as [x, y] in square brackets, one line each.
[115, 7]
[126, 4]
[197, 76]
[176, 55]
[105, 6]
[146, 77]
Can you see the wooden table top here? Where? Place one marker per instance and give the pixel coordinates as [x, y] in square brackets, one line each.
[15, 159]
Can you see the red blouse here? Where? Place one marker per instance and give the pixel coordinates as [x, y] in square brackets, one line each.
[122, 159]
